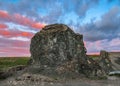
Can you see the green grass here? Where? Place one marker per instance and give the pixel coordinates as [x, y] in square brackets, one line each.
[6, 62]
[94, 57]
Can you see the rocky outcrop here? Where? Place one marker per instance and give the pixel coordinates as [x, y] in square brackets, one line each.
[115, 59]
[55, 44]
[56, 49]
[105, 62]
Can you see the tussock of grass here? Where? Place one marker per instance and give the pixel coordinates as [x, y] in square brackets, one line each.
[6, 62]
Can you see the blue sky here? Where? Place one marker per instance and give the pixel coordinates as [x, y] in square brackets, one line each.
[97, 20]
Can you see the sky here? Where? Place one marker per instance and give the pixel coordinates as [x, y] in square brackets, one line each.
[97, 20]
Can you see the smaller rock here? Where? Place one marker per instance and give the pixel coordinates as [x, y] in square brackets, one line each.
[105, 61]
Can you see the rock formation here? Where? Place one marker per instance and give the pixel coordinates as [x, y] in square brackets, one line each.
[105, 61]
[56, 49]
[110, 62]
[115, 59]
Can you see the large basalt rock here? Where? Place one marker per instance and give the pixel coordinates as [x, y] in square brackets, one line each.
[55, 44]
[57, 49]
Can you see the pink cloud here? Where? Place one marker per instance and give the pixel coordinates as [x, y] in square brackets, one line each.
[15, 33]
[2, 26]
[108, 45]
[10, 52]
[4, 14]
[115, 42]
[14, 47]
[37, 25]
[20, 19]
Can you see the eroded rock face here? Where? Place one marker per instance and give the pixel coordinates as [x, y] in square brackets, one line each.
[105, 61]
[110, 62]
[57, 49]
[115, 59]
[55, 44]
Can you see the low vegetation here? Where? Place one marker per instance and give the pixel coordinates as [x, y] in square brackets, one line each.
[6, 62]
[95, 57]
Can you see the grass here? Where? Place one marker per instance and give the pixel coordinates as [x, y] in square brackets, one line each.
[94, 57]
[6, 62]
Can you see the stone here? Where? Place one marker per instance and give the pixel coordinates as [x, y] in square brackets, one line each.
[115, 59]
[105, 61]
[57, 49]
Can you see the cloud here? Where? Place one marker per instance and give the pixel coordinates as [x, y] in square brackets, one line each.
[10, 47]
[19, 19]
[4, 14]
[7, 42]
[20, 38]
[14, 42]
[110, 20]
[12, 51]
[115, 42]
[3, 26]
[106, 28]
[102, 34]
[82, 6]
[13, 26]
[108, 45]
[15, 33]
[50, 11]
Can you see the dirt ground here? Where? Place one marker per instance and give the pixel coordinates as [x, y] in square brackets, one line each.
[111, 81]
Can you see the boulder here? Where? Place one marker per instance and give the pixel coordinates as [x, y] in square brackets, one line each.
[57, 49]
[105, 61]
